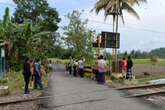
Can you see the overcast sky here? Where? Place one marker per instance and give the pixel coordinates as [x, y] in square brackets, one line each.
[144, 34]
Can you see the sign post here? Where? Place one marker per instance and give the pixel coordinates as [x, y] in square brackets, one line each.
[109, 40]
[2, 71]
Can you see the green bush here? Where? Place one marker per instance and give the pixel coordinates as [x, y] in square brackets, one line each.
[113, 78]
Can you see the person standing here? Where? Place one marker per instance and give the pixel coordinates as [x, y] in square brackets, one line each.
[107, 74]
[37, 74]
[66, 67]
[27, 74]
[102, 70]
[75, 68]
[95, 68]
[129, 68]
[70, 66]
[32, 72]
[124, 67]
[50, 66]
[81, 67]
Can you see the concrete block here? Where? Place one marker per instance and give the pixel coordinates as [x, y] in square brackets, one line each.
[4, 90]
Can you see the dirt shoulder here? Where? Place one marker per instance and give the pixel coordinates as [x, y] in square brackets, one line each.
[153, 70]
[20, 106]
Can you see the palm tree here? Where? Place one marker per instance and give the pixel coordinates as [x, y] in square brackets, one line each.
[115, 8]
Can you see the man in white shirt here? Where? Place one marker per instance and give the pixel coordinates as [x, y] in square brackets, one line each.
[101, 70]
[81, 68]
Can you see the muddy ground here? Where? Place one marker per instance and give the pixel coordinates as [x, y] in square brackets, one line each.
[153, 70]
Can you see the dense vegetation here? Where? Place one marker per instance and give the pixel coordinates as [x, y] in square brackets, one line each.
[30, 32]
[77, 37]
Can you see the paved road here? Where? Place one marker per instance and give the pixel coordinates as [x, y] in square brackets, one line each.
[83, 94]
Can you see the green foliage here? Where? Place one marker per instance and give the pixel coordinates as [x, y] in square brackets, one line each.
[77, 36]
[154, 60]
[25, 39]
[37, 12]
[113, 77]
[114, 7]
[160, 52]
[4, 24]
[108, 57]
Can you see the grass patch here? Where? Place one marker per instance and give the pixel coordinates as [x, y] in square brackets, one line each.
[141, 61]
[15, 81]
[148, 61]
[145, 79]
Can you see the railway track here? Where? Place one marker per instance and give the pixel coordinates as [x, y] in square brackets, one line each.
[144, 90]
[23, 100]
[154, 93]
[134, 91]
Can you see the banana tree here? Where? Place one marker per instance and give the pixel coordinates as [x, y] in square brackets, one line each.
[35, 40]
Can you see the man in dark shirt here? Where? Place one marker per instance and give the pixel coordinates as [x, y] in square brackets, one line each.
[129, 68]
[27, 74]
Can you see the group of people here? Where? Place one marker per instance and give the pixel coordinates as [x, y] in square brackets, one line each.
[126, 66]
[75, 67]
[100, 69]
[32, 70]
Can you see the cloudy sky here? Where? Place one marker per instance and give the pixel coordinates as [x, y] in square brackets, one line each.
[144, 34]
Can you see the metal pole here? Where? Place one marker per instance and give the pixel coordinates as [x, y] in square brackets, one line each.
[4, 65]
[116, 42]
[1, 64]
[99, 50]
[105, 42]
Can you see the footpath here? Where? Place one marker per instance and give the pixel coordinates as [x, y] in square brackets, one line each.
[70, 93]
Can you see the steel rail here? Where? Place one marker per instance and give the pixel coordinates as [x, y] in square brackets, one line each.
[23, 100]
[142, 86]
[148, 94]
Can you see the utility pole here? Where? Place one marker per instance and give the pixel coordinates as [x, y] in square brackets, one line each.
[117, 16]
[99, 42]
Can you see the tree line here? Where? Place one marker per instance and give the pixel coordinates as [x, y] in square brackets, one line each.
[137, 54]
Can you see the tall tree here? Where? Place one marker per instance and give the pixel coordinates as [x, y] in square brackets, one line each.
[37, 12]
[77, 36]
[116, 7]
[40, 15]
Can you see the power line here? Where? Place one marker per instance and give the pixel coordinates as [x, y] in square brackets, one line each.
[9, 4]
[146, 25]
[128, 27]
